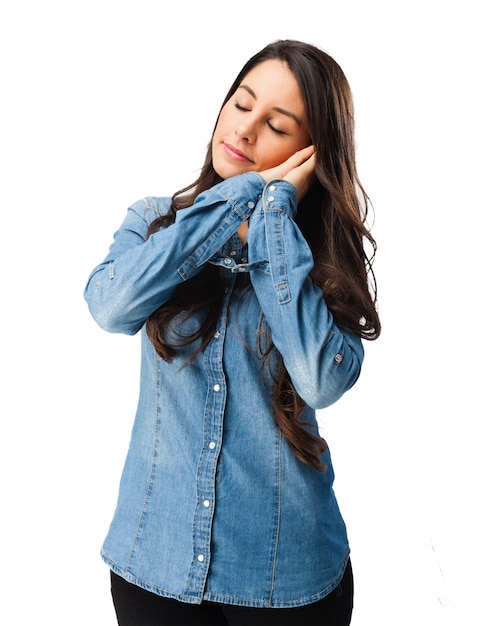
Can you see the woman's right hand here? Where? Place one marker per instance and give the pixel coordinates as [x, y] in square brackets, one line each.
[298, 169]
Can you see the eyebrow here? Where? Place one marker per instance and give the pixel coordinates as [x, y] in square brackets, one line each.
[277, 109]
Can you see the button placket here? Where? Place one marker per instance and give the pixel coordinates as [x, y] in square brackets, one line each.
[207, 469]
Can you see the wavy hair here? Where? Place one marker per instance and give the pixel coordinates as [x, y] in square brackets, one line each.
[332, 217]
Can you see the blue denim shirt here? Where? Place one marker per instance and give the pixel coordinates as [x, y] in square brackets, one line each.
[213, 504]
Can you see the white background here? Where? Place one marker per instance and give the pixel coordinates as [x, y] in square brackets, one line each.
[105, 102]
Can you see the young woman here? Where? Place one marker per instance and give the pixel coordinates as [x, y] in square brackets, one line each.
[252, 291]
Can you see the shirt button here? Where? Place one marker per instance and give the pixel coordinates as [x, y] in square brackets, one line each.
[233, 253]
[251, 205]
[200, 558]
[217, 387]
[217, 334]
[206, 504]
[271, 198]
[338, 358]
[227, 261]
[212, 445]
[243, 260]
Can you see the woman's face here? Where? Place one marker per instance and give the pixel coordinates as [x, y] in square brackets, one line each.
[262, 124]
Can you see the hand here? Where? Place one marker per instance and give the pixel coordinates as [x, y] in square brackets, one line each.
[298, 169]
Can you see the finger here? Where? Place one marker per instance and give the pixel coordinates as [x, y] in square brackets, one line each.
[301, 156]
[310, 163]
[306, 168]
[295, 160]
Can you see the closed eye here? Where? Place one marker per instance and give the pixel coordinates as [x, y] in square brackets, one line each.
[240, 107]
[275, 130]
[270, 125]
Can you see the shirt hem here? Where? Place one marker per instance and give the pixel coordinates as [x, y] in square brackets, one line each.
[230, 600]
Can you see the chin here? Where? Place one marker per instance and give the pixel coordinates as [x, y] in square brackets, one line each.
[225, 170]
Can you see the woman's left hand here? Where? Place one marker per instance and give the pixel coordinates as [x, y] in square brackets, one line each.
[298, 169]
[303, 176]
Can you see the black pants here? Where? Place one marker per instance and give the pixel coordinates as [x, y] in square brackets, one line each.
[137, 607]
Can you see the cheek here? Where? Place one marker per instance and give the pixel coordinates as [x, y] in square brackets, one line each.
[275, 155]
[222, 121]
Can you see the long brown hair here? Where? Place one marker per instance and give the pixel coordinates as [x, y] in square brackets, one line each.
[332, 217]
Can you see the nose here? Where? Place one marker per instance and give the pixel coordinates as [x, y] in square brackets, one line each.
[246, 130]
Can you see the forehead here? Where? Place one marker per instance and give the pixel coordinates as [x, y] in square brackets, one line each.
[273, 81]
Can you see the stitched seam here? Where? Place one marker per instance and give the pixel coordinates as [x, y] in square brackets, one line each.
[152, 471]
[277, 532]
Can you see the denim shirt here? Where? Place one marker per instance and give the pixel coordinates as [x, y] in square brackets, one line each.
[213, 504]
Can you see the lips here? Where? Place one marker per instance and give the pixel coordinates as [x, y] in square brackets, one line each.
[235, 153]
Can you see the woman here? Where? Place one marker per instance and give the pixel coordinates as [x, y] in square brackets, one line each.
[251, 291]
